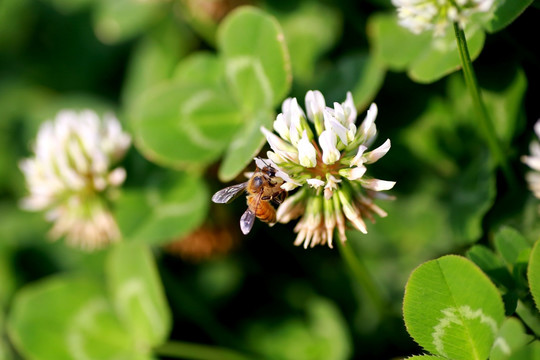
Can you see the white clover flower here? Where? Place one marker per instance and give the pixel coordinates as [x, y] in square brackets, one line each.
[425, 15]
[70, 176]
[533, 161]
[331, 164]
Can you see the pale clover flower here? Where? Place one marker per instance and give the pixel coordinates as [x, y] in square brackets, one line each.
[425, 15]
[71, 175]
[533, 161]
[324, 155]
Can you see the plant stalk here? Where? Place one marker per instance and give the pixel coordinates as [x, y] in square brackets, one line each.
[488, 128]
[361, 274]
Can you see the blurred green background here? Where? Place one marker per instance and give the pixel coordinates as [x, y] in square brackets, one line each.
[260, 293]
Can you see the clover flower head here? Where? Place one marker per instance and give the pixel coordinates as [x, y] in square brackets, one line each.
[327, 167]
[425, 15]
[533, 161]
[70, 176]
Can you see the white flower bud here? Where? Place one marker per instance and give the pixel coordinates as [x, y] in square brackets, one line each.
[289, 186]
[368, 130]
[315, 183]
[358, 160]
[354, 173]
[315, 104]
[374, 155]
[117, 176]
[352, 213]
[349, 109]
[281, 126]
[293, 115]
[331, 123]
[306, 152]
[280, 147]
[377, 185]
[331, 185]
[328, 141]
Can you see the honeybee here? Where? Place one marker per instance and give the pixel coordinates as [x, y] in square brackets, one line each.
[262, 188]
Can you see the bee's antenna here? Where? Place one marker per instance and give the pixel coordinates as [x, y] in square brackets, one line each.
[261, 159]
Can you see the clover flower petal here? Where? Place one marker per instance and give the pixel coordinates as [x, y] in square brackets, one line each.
[350, 109]
[315, 104]
[282, 128]
[368, 130]
[333, 124]
[315, 183]
[331, 185]
[376, 154]
[328, 142]
[307, 154]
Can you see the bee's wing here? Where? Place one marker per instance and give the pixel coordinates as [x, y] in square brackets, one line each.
[246, 221]
[225, 196]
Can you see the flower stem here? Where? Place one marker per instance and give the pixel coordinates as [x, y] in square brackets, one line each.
[494, 144]
[186, 350]
[361, 274]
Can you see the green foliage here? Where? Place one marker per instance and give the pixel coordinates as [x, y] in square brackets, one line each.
[321, 335]
[305, 41]
[503, 102]
[193, 81]
[13, 33]
[258, 72]
[506, 13]
[257, 67]
[216, 104]
[137, 294]
[192, 125]
[69, 6]
[510, 339]
[452, 309]
[74, 316]
[360, 73]
[511, 244]
[156, 57]
[473, 196]
[112, 23]
[168, 209]
[425, 58]
[529, 352]
[533, 274]
[67, 317]
[492, 265]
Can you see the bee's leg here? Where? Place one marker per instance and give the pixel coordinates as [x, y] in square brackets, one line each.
[280, 197]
